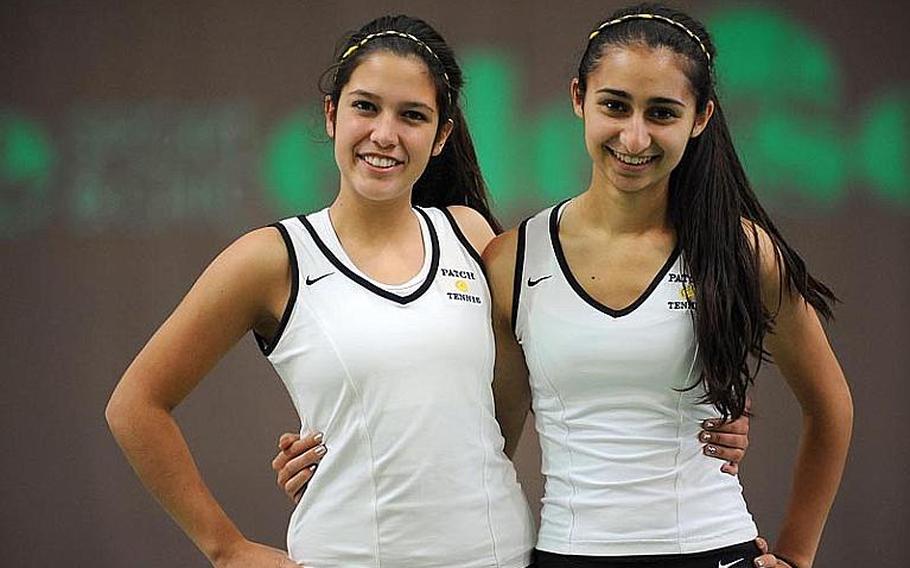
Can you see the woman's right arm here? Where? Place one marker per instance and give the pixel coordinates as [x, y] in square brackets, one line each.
[511, 391]
[242, 289]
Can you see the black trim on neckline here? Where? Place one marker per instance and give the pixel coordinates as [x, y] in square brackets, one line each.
[434, 263]
[519, 271]
[265, 345]
[465, 242]
[577, 287]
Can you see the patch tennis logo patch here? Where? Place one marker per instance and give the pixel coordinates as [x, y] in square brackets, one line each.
[686, 293]
[460, 280]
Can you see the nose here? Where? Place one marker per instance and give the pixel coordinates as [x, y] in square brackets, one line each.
[635, 136]
[384, 133]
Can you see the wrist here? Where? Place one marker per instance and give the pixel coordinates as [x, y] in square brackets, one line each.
[223, 547]
[793, 560]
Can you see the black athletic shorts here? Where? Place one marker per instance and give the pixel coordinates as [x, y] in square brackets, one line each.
[736, 556]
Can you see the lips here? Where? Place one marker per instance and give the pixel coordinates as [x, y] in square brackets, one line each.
[379, 161]
[632, 161]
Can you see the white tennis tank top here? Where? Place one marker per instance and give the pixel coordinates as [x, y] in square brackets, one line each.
[624, 469]
[399, 380]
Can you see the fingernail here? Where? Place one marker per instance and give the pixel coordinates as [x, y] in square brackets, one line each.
[708, 424]
[312, 467]
[711, 450]
[318, 438]
[705, 436]
[759, 562]
[319, 450]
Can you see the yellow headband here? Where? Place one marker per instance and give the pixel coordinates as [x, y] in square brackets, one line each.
[347, 53]
[665, 19]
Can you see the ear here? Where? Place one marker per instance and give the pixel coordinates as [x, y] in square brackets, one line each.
[702, 119]
[443, 135]
[578, 100]
[330, 112]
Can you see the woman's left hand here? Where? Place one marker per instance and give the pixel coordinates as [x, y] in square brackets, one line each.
[726, 440]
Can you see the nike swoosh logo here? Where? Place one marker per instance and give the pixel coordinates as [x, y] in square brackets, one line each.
[532, 283]
[311, 281]
[734, 563]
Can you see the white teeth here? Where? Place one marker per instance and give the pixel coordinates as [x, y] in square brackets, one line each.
[632, 160]
[378, 161]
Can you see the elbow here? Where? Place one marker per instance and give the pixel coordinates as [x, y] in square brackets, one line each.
[116, 413]
[843, 407]
[847, 410]
[132, 410]
[844, 417]
[832, 413]
[125, 408]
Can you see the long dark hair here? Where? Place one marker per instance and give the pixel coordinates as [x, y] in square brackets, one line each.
[709, 198]
[453, 177]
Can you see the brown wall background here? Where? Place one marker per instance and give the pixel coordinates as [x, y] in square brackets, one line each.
[79, 302]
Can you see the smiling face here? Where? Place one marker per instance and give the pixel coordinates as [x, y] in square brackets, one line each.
[385, 126]
[639, 113]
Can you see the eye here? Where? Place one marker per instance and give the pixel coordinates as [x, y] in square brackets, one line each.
[415, 116]
[613, 106]
[364, 106]
[663, 114]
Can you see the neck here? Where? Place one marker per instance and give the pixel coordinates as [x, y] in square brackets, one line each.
[358, 220]
[619, 212]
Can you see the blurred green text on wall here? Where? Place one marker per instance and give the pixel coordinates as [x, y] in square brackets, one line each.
[152, 164]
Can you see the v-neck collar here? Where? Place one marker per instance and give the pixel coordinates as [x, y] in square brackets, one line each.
[576, 285]
[371, 286]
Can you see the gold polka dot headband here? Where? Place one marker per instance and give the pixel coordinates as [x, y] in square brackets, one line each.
[347, 53]
[658, 17]
[350, 50]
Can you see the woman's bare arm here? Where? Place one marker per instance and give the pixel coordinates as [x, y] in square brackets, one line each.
[800, 348]
[511, 391]
[242, 289]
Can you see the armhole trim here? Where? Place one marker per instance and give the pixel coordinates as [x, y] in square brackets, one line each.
[519, 272]
[465, 242]
[265, 345]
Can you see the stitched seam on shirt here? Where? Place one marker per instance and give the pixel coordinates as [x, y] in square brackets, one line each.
[481, 386]
[364, 430]
[486, 491]
[571, 478]
[562, 405]
[679, 402]
[470, 261]
[679, 422]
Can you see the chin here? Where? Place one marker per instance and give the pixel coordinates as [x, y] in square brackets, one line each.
[382, 192]
[633, 185]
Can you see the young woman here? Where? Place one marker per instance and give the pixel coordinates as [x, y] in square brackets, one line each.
[668, 223]
[376, 315]
[631, 312]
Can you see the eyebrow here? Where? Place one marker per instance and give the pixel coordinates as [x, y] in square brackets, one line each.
[406, 104]
[653, 100]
